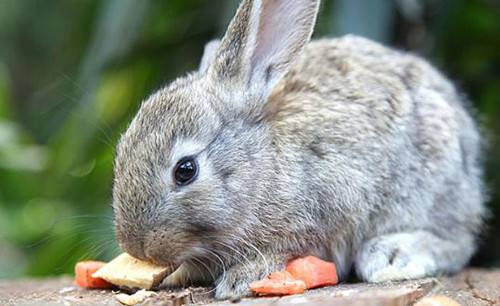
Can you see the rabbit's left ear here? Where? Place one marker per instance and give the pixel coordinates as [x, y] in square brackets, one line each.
[208, 55]
[262, 42]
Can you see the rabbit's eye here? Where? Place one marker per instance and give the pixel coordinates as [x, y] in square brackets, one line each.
[185, 171]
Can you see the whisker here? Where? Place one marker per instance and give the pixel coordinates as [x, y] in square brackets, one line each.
[237, 258]
[224, 271]
[266, 264]
[206, 267]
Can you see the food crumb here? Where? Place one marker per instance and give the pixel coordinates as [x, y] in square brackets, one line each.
[437, 300]
[67, 289]
[136, 298]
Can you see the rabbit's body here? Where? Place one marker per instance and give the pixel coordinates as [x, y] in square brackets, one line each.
[382, 135]
[340, 148]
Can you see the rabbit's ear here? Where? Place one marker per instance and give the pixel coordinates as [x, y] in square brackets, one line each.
[208, 55]
[262, 41]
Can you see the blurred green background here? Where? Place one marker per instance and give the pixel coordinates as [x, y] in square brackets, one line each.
[72, 75]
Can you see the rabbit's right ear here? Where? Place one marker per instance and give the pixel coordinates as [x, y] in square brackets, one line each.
[261, 44]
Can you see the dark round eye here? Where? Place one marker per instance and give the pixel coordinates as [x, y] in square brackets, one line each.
[185, 171]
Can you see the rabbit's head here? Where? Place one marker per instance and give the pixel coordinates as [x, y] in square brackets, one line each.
[198, 156]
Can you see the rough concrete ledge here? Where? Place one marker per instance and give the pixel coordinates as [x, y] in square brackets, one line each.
[470, 287]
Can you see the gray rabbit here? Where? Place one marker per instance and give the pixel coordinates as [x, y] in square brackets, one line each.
[279, 147]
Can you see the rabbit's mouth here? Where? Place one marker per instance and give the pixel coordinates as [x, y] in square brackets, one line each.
[193, 253]
[164, 262]
[168, 257]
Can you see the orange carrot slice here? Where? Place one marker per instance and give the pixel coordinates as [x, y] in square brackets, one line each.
[313, 271]
[83, 275]
[278, 283]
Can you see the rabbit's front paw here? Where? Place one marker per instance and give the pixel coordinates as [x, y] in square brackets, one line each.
[394, 257]
[235, 282]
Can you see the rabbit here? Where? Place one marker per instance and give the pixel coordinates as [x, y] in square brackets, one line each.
[279, 147]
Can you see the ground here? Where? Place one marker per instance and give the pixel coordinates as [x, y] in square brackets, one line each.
[470, 287]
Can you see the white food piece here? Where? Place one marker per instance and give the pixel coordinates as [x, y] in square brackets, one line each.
[127, 271]
[437, 300]
[136, 298]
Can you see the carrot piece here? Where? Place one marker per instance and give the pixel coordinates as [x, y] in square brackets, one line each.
[83, 275]
[278, 283]
[313, 271]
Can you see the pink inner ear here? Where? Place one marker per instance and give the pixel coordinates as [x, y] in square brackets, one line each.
[271, 31]
[284, 27]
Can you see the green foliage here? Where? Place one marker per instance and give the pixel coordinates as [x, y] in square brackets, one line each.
[469, 48]
[73, 73]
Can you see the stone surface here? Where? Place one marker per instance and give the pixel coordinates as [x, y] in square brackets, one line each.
[470, 287]
[473, 287]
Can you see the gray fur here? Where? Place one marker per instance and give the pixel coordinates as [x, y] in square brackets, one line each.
[340, 148]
